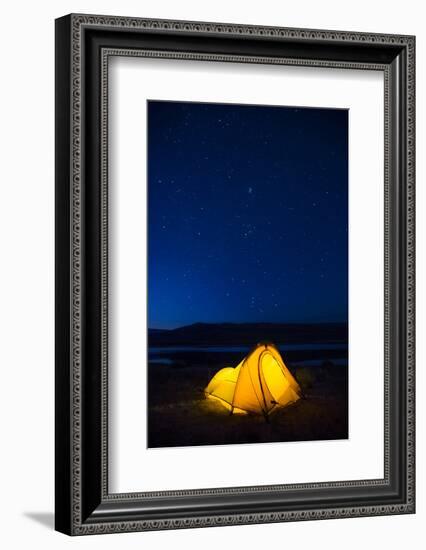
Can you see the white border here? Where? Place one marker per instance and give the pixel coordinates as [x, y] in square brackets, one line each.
[132, 466]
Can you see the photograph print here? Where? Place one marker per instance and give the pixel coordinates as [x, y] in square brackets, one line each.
[247, 274]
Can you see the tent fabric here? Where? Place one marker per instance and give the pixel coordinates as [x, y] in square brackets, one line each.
[260, 384]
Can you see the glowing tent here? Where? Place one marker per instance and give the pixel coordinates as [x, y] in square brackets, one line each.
[260, 384]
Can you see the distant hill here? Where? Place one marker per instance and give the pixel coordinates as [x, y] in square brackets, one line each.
[216, 334]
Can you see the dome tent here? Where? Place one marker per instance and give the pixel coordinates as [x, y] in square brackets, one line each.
[260, 384]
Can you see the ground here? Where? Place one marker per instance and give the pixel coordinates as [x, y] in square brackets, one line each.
[180, 415]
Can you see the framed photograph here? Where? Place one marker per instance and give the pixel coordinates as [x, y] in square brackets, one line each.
[234, 274]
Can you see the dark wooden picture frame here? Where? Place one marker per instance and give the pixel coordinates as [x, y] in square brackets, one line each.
[84, 44]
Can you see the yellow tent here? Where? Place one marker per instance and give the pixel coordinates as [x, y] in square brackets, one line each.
[261, 383]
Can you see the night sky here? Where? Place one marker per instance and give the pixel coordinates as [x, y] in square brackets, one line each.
[247, 214]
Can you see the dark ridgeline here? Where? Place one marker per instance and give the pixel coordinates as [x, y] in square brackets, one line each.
[220, 334]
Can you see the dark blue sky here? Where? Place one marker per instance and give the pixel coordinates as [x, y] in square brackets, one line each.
[247, 214]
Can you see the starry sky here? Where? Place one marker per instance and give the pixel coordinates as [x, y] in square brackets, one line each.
[247, 214]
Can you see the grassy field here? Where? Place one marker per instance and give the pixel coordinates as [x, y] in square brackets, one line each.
[180, 415]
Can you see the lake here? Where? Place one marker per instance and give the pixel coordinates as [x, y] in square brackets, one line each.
[313, 352]
[166, 350]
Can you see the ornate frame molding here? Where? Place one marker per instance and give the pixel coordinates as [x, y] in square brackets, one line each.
[76, 510]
